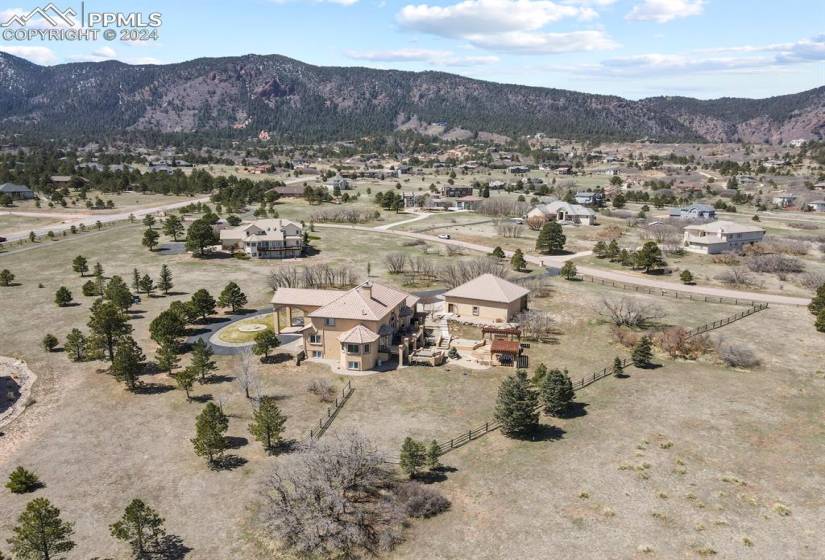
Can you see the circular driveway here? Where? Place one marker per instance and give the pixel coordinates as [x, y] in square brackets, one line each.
[209, 335]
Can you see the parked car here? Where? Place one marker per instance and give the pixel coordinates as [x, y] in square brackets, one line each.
[444, 236]
[135, 299]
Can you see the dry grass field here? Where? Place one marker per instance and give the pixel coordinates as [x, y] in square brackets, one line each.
[687, 460]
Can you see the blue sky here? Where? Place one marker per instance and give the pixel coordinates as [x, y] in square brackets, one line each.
[632, 48]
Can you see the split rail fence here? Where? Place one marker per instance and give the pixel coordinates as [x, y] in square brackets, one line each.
[332, 411]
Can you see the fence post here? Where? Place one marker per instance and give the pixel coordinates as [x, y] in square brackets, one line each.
[486, 427]
[451, 444]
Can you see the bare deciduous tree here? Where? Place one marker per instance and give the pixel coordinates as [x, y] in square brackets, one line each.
[738, 277]
[457, 272]
[322, 389]
[248, 373]
[501, 206]
[628, 312]
[536, 325]
[395, 262]
[318, 276]
[506, 228]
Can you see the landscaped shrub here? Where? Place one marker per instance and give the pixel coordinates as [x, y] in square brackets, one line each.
[625, 336]
[421, 501]
[677, 343]
[775, 264]
[736, 355]
[323, 389]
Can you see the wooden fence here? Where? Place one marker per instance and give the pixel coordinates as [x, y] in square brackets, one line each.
[728, 320]
[676, 294]
[332, 412]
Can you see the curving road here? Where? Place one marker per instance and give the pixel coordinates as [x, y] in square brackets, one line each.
[556, 261]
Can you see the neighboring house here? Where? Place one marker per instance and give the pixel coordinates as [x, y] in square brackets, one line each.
[495, 185]
[784, 200]
[339, 182]
[453, 191]
[469, 202]
[487, 298]
[721, 237]
[564, 212]
[564, 170]
[265, 239]
[414, 199]
[694, 212]
[518, 169]
[358, 329]
[16, 192]
[289, 191]
[589, 198]
[817, 205]
[60, 181]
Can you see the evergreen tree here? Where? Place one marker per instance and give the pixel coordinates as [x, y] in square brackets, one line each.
[232, 297]
[165, 280]
[136, 280]
[185, 379]
[538, 374]
[22, 481]
[202, 361]
[80, 265]
[613, 250]
[40, 533]
[551, 239]
[150, 239]
[147, 284]
[203, 303]
[516, 405]
[149, 221]
[618, 367]
[268, 424]
[820, 321]
[6, 277]
[686, 277]
[63, 296]
[518, 261]
[128, 362]
[200, 236]
[75, 345]
[433, 456]
[167, 328]
[413, 456]
[173, 227]
[556, 392]
[600, 249]
[818, 301]
[49, 342]
[498, 252]
[167, 357]
[568, 270]
[210, 427]
[141, 527]
[265, 341]
[649, 257]
[118, 293]
[643, 353]
[109, 322]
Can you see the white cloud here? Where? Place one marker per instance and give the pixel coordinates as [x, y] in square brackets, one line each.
[38, 55]
[515, 26]
[663, 11]
[434, 57]
[486, 16]
[545, 43]
[99, 55]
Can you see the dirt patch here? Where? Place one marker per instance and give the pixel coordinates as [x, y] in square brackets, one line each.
[16, 380]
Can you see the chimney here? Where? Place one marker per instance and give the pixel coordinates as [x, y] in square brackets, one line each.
[367, 287]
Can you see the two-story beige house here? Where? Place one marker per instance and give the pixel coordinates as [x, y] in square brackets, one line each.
[721, 237]
[265, 239]
[359, 329]
[487, 298]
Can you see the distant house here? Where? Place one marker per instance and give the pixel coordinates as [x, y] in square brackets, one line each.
[469, 202]
[413, 199]
[784, 200]
[495, 185]
[518, 169]
[564, 212]
[16, 192]
[265, 239]
[564, 170]
[60, 181]
[339, 183]
[721, 237]
[589, 198]
[453, 191]
[694, 212]
[487, 298]
[289, 191]
[817, 205]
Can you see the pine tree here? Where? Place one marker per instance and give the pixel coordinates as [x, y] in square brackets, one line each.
[210, 427]
[147, 284]
[433, 456]
[518, 261]
[150, 239]
[40, 533]
[556, 392]
[165, 280]
[22, 481]
[80, 265]
[149, 221]
[109, 322]
[568, 270]
[203, 303]
[173, 227]
[613, 250]
[118, 293]
[63, 296]
[820, 321]
[686, 277]
[516, 405]
[232, 297]
[413, 456]
[538, 374]
[498, 252]
[128, 362]
[167, 357]
[49, 342]
[75, 345]
[600, 249]
[185, 379]
[649, 257]
[818, 301]
[618, 367]
[268, 424]
[136, 280]
[202, 361]
[6, 277]
[141, 527]
[643, 353]
[551, 239]
[265, 341]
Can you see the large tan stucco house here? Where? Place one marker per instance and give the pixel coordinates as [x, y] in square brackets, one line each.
[721, 237]
[358, 329]
[265, 239]
[486, 298]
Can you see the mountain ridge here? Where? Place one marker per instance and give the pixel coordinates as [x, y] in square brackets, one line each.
[233, 96]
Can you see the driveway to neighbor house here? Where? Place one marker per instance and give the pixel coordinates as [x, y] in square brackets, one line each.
[89, 220]
[557, 261]
[418, 216]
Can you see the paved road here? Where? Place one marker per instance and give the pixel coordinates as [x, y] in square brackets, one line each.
[556, 261]
[89, 219]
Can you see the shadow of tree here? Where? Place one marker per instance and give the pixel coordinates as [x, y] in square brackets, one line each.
[542, 432]
[171, 547]
[206, 397]
[576, 410]
[153, 388]
[236, 442]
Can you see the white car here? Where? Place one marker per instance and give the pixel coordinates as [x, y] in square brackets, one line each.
[444, 236]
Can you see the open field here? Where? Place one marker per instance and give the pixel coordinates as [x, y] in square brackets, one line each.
[683, 459]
